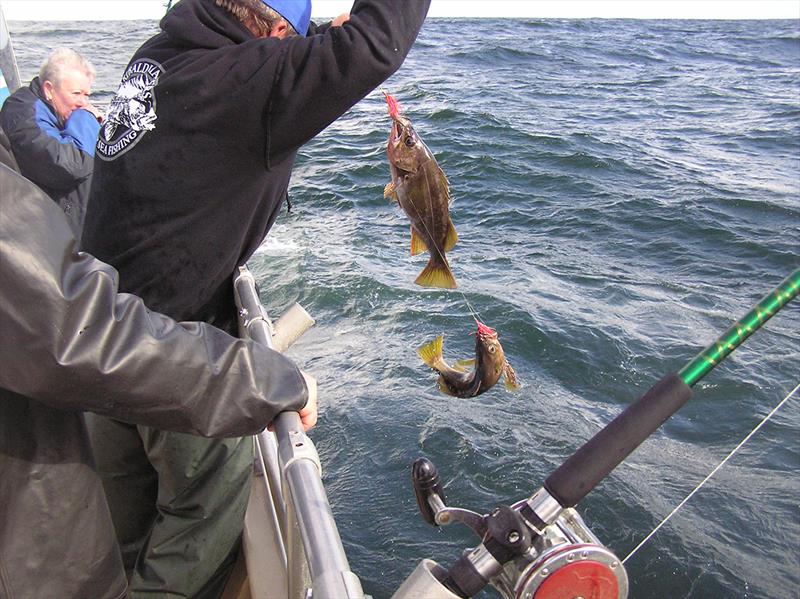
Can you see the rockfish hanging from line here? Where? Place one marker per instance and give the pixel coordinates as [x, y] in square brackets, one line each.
[422, 190]
[489, 365]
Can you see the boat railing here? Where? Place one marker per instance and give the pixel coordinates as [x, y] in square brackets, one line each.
[9, 72]
[291, 543]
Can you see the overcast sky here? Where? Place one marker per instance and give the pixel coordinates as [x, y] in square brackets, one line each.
[37, 10]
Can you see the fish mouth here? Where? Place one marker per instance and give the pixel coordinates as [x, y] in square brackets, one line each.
[396, 149]
[397, 130]
[399, 126]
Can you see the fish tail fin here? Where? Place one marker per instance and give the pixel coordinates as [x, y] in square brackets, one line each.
[436, 275]
[418, 245]
[510, 378]
[431, 352]
[452, 237]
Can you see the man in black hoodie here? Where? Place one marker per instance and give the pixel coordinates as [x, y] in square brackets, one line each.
[192, 167]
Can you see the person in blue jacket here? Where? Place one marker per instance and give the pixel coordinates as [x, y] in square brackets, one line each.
[192, 167]
[52, 127]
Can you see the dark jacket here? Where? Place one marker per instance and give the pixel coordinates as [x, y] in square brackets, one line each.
[69, 342]
[6, 154]
[57, 156]
[193, 162]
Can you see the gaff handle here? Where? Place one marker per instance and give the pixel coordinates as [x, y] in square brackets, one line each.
[581, 472]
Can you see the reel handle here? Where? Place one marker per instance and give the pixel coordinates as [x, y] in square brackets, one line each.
[582, 471]
[427, 486]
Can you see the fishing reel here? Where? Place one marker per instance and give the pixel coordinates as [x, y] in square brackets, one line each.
[522, 555]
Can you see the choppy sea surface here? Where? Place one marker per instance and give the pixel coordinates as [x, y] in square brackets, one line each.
[623, 191]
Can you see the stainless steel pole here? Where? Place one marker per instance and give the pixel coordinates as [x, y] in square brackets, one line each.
[331, 577]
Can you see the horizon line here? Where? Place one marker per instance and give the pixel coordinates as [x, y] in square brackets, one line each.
[148, 10]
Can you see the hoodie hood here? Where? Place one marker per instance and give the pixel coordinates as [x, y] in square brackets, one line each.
[203, 24]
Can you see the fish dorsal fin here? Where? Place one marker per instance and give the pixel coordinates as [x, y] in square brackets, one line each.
[452, 237]
[431, 352]
[445, 183]
[462, 365]
[510, 378]
[418, 246]
[436, 275]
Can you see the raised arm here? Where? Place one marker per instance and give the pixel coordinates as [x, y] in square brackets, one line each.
[322, 76]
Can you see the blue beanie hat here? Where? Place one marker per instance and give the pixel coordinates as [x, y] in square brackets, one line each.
[296, 12]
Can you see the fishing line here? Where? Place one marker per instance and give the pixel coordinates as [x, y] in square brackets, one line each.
[714, 471]
[474, 313]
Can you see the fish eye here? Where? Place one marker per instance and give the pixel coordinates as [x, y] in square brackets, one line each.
[492, 349]
[410, 142]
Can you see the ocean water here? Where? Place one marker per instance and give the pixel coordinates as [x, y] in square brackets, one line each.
[623, 191]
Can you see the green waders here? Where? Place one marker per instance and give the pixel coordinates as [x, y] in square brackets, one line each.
[177, 502]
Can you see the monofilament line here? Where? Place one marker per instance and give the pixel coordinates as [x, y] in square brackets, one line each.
[707, 478]
[472, 310]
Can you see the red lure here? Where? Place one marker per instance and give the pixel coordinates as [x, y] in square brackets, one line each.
[394, 106]
[484, 331]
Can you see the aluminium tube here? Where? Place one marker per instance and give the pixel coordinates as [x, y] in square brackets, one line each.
[8, 62]
[255, 325]
[327, 561]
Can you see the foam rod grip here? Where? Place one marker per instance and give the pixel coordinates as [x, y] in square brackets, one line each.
[581, 472]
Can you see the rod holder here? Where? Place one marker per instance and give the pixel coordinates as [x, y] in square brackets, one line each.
[290, 326]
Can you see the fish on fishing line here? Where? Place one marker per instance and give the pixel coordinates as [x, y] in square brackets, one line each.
[489, 365]
[421, 189]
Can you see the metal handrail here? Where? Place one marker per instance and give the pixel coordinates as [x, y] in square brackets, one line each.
[8, 62]
[292, 467]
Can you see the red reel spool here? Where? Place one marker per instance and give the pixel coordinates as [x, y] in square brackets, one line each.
[586, 579]
[574, 571]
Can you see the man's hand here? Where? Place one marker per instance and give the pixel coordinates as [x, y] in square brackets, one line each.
[308, 415]
[340, 20]
[97, 114]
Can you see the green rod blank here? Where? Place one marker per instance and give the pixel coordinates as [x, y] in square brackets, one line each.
[715, 353]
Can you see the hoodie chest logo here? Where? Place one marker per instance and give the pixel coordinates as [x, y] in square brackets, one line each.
[132, 112]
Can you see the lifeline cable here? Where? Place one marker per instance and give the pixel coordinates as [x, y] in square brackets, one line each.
[712, 473]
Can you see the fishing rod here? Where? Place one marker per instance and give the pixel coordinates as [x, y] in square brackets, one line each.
[715, 353]
[540, 547]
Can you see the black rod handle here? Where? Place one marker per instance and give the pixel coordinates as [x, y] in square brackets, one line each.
[581, 472]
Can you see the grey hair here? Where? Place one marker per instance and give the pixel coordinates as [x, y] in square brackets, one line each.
[255, 15]
[62, 60]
